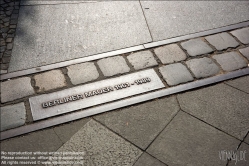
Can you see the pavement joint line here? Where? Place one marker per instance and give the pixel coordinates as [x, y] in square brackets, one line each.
[235, 87]
[120, 104]
[121, 51]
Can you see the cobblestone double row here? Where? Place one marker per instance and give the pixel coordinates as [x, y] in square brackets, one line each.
[175, 64]
[8, 22]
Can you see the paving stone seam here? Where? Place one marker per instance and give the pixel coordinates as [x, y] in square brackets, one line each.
[118, 104]
[235, 87]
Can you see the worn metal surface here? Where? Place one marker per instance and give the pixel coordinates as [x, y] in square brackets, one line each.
[84, 96]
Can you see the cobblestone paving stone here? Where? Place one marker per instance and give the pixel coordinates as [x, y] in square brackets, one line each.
[13, 116]
[242, 35]
[175, 74]
[230, 61]
[189, 141]
[245, 52]
[196, 47]
[50, 80]
[113, 66]
[15, 89]
[8, 21]
[222, 41]
[203, 67]
[170, 53]
[81, 73]
[141, 60]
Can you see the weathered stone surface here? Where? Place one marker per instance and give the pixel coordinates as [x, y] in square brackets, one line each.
[101, 146]
[196, 47]
[66, 131]
[113, 66]
[189, 141]
[148, 160]
[203, 67]
[50, 80]
[245, 52]
[242, 35]
[175, 74]
[170, 54]
[142, 123]
[81, 73]
[43, 141]
[230, 61]
[15, 89]
[222, 41]
[3, 71]
[12, 116]
[142, 59]
[240, 83]
[242, 156]
[221, 106]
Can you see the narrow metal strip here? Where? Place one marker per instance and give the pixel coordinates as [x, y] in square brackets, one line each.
[70, 62]
[119, 104]
[194, 35]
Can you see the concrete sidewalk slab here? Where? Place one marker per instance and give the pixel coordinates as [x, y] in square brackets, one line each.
[240, 83]
[148, 160]
[222, 106]
[167, 19]
[142, 123]
[242, 155]
[47, 34]
[189, 141]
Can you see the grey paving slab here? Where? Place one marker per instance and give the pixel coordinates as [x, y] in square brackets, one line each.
[242, 156]
[81, 73]
[247, 139]
[196, 47]
[101, 146]
[148, 160]
[203, 67]
[240, 83]
[167, 19]
[230, 61]
[47, 34]
[242, 35]
[170, 53]
[221, 106]
[113, 66]
[142, 123]
[50, 80]
[142, 59]
[12, 116]
[175, 74]
[66, 131]
[16, 88]
[245, 52]
[43, 141]
[222, 41]
[189, 141]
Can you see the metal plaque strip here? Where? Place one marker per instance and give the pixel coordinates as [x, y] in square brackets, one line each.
[119, 104]
[92, 94]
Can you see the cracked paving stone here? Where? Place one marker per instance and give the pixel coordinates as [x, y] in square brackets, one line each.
[16, 88]
[203, 67]
[50, 80]
[196, 47]
[142, 123]
[245, 52]
[113, 66]
[189, 141]
[101, 146]
[12, 116]
[230, 61]
[81, 73]
[221, 106]
[175, 74]
[222, 41]
[170, 54]
[242, 35]
[142, 59]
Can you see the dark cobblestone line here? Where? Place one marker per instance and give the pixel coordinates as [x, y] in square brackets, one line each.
[8, 22]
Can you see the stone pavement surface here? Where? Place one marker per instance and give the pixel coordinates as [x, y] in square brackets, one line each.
[191, 128]
[46, 34]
